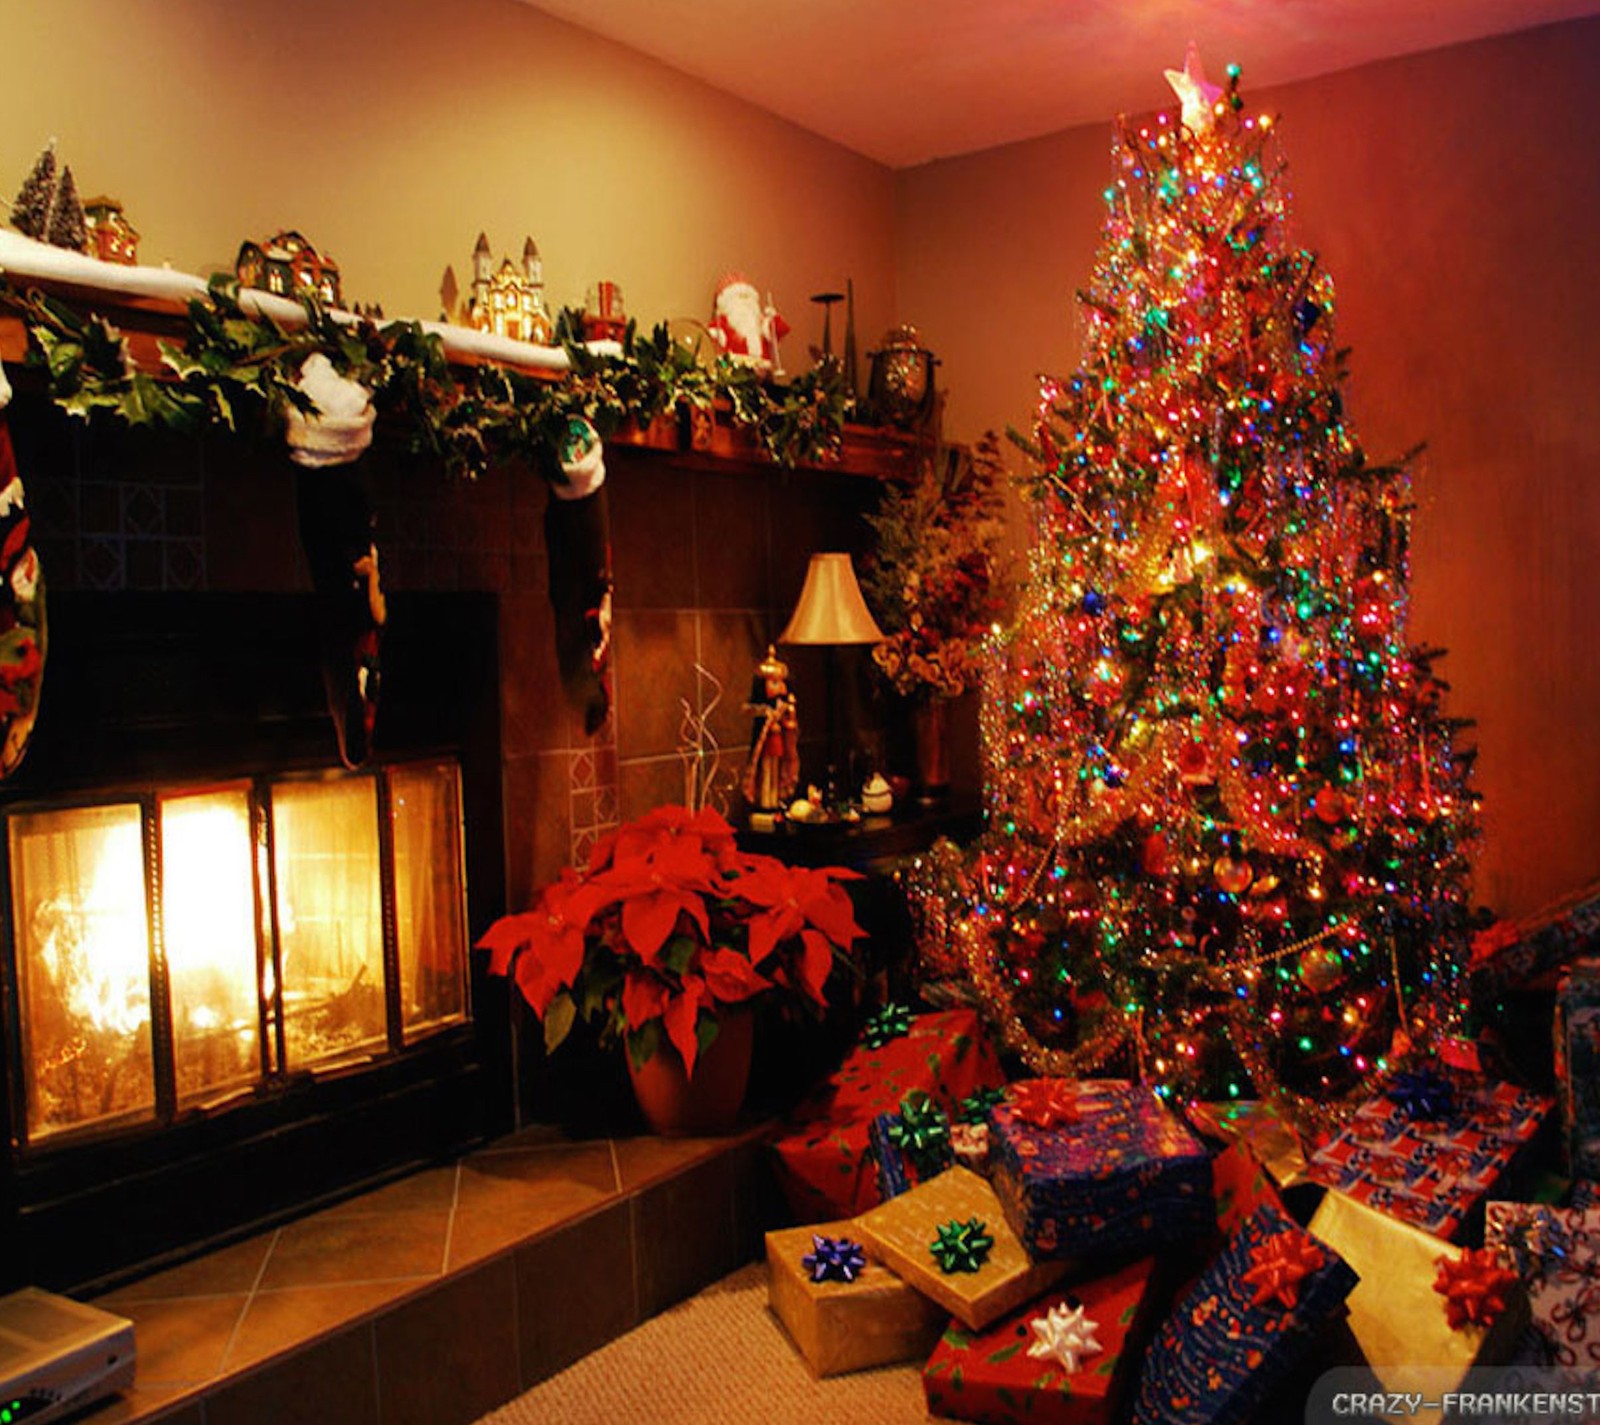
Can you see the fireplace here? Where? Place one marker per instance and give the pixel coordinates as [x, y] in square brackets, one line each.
[237, 978]
[186, 946]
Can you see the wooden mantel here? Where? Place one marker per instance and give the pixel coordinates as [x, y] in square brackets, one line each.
[874, 452]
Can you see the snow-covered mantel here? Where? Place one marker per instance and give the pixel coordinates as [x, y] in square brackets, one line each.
[24, 260]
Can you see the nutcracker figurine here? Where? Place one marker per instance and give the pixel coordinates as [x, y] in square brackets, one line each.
[774, 766]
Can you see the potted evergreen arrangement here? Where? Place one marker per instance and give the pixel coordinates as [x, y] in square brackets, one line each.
[667, 939]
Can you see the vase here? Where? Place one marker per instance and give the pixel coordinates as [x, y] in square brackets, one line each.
[679, 1105]
[930, 720]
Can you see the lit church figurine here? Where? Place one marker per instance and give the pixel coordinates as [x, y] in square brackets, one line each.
[509, 301]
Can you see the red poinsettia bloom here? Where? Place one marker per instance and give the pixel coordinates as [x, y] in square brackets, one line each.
[671, 923]
[655, 890]
[799, 902]
[660, 828]
[552, 933]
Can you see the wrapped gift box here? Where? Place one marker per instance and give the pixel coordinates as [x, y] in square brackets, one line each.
[901, 1233]
[1432, 1171]
[910, 1146]
[1577, 1046]
[992, 1376]
[1262, 1128]
[839, 1326]
[1240, 1184]
[1555, 1252]
[1122, 1175]
[1399, 1321]
[822, 1152]
[1254, 1315]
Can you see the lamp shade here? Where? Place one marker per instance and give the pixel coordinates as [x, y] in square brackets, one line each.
[831, 609]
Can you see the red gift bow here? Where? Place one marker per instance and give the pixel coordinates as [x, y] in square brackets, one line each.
[1044, 1103]
[1278, 1265]
[1474, 1288]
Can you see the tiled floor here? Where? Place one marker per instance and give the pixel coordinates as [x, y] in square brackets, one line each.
[510, 1264]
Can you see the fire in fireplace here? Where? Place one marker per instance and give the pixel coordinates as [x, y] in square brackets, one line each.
[182, 947]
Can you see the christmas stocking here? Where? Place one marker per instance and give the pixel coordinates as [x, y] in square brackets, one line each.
[336, 532]
[22, 620]
[579, 545]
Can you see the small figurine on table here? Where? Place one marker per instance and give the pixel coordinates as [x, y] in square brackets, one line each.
[773, 770]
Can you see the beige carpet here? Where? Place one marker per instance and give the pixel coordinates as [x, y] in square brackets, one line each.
[720, 1356]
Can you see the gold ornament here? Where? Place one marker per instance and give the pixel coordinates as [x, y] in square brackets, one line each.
[1232, 876]
[1321, 968]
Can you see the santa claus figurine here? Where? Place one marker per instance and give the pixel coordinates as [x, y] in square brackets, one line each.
[745, 329]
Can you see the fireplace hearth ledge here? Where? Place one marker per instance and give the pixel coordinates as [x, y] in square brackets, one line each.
[439, 1297]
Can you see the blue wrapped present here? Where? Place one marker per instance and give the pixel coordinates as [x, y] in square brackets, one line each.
[1085, 1167]
[1249, 1321]
[910, 1146]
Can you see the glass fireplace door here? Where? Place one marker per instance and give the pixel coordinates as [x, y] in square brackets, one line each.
[81, 927]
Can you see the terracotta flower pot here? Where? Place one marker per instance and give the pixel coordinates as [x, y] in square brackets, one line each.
[676, 1105]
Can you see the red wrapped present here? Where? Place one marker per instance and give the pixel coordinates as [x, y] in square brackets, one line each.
[1431, 1147]
[1067, 1359]
[822, 1155]
[1240, 1185]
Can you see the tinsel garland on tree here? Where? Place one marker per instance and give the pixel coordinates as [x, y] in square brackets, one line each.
[1228, 823]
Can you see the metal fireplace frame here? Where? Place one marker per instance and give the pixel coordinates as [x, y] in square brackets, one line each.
[182, 690]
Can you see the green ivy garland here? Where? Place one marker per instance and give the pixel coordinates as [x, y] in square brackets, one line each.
[238, 369]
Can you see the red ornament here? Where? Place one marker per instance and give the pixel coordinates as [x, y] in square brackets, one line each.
[1155, 855]
[1278, 1265]
[1331, 806]
[1475, 1287]
[1045, 1103]
[1194, 763]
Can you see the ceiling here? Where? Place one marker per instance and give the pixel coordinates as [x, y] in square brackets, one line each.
[905, 81]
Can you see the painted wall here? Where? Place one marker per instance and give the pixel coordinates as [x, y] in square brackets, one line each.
[391, 131]
[1454, 198]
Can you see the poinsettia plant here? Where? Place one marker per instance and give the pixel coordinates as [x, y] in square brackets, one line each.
[670, 926]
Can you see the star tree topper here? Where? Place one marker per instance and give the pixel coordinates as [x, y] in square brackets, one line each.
[1064, 1334]
[1194, 92]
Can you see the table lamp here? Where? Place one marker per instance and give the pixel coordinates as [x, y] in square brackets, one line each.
[831, 614]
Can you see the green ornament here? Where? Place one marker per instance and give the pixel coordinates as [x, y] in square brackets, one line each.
[962, 1246]
[890, 1022]
[974, 1108]
[921, 1131]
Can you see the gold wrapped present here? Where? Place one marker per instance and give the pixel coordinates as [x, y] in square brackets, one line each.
[904, 1231]
[1261, 1128]
[875, 1319]
[1400, 1317]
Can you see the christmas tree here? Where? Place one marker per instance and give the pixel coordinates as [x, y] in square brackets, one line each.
[1228, 827]
[30, 209]
[67, 226]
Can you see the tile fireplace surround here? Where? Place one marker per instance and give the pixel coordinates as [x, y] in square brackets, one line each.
[441, 1296]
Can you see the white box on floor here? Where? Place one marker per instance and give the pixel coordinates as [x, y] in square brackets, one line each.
[58, 1355]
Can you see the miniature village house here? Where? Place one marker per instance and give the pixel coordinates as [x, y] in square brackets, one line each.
[287, 264]
[508, 300]
[112, 238]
